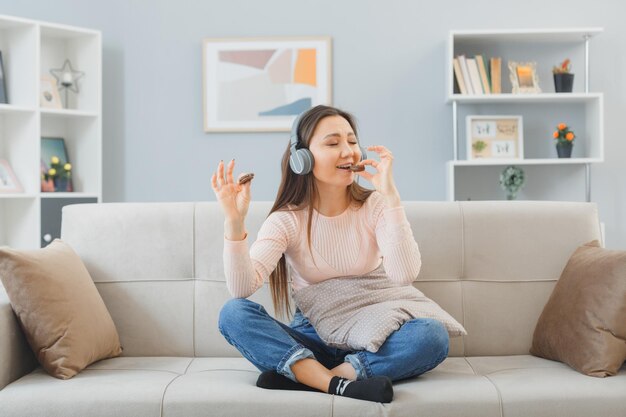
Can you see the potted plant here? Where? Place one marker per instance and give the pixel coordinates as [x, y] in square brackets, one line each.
[57, 178]
[563, 78]
[564, 140]
[512, 180]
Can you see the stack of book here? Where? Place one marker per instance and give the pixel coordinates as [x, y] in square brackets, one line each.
[476, 76]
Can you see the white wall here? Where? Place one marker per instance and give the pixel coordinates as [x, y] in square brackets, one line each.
[388, 69]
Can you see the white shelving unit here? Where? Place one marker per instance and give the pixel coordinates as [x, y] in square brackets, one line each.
[541, 112]
[30, 49]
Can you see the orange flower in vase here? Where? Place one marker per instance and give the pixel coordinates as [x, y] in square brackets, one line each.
[564, 140]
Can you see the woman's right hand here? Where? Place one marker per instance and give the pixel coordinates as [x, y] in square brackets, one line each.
[233, 197]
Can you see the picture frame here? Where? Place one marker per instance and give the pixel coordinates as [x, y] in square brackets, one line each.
[494, 137]
[262, 84]
[4, 99]
[8, 180]
[49, 97]
[523, 76]
[54, 146]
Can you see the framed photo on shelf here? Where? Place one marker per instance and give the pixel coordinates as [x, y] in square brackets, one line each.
[8, 181]
[262, 84]
[494, 137]
[54, 156]
[49, 93]
[3, 83]
[523, 76]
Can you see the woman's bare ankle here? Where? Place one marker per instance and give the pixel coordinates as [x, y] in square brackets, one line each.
[345, 370]
[312, 373]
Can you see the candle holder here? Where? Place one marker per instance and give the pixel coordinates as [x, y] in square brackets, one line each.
[67, 78]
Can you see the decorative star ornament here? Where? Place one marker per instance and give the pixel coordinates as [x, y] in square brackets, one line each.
[67, 76]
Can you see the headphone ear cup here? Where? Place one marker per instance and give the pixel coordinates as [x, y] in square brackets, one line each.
[363, 153]
[301, 161]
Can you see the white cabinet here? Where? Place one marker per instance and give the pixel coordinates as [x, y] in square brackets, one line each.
[30, 49]
[547, 176]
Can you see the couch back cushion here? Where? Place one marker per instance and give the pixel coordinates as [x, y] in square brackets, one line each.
[491, 265]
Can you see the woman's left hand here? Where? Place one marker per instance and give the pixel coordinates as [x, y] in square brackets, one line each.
[383, 179]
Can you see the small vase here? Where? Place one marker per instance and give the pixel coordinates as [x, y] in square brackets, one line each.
[563, 83]
[564, 150]
[63, 185]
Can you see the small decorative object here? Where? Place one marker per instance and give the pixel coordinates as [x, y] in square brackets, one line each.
[3, 84]
[262, 84]
[523, 76]
[511, 181]
[49, 93]
[478, 147]
[67, 78]
[564, 140]
[494, 137]
[563, 79]
[8, 180]
[56, 171]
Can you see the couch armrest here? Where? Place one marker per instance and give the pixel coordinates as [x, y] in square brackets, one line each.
[16, 357]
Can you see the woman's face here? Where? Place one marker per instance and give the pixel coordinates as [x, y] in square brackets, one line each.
[333, 144]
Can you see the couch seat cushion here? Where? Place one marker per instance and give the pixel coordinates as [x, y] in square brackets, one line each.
[116, 387]
[531, 386]
[178, 386]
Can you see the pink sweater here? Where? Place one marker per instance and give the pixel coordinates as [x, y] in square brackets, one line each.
[350, 244]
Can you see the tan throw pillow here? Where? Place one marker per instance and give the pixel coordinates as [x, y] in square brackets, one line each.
[59, 308]
[584, 322]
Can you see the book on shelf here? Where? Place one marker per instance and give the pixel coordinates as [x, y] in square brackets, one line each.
[458, 76]
[483, 73]
[496, 75]
[472, 67]
[466, 76]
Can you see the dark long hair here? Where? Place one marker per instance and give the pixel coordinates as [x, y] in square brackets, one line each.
[298, 192]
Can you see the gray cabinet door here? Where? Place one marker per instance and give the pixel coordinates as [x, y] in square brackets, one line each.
[51, 216]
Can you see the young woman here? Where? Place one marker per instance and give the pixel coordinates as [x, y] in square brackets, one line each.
[323, 225]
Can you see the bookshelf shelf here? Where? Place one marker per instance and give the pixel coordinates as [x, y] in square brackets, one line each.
[541, 112]
[9, 108]
[68, 113]
[545, 161]
[526, 98]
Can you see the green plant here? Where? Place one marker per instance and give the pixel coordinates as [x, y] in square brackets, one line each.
[511, 180]
[479, 145]
[564, 68]
[563, 134]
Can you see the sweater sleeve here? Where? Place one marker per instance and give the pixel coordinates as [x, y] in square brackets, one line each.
[247, 271]
[401, 256]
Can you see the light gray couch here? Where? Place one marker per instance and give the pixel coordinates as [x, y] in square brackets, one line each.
[158, 267]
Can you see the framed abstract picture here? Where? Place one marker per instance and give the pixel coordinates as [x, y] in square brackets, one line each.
[262, 84]
[8, 181]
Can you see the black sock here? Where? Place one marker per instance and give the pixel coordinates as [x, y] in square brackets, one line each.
[378, 388]
[274, 380]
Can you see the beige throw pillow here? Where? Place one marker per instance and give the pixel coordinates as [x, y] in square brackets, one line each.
[584, 322]
[59, 308]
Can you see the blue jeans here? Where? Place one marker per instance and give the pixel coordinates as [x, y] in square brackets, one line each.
[416, 347]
